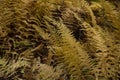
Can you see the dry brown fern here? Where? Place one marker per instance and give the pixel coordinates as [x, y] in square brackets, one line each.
[70, 39]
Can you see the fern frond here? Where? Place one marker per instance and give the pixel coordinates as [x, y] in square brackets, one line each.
[97, 42]
[44, 71]
[69, 50]
[11, 10]
[8, 67]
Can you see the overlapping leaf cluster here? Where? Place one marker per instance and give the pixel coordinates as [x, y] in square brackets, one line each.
[59, 40]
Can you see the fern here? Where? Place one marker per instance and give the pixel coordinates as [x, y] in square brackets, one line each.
[69, 51]
[59, 40]
[103, 67]
[9, 67]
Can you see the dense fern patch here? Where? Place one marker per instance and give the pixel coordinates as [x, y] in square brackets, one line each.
[59, 40]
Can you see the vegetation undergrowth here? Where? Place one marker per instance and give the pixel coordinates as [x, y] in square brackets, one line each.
[59, 40]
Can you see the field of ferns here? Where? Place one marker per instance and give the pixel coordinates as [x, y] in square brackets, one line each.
[59, 39]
